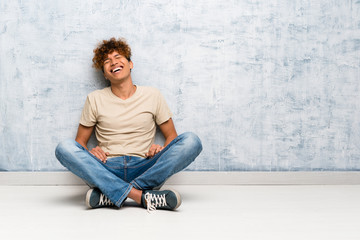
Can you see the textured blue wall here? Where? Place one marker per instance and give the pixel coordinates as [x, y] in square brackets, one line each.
[267, 85]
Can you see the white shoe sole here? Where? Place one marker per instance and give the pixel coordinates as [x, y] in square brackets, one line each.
[87, 198]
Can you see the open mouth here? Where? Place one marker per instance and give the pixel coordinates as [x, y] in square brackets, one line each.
[118, 69]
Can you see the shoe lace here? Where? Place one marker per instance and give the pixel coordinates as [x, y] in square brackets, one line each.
[104, 200]
[154, 201]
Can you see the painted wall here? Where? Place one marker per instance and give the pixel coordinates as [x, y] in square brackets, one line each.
[267, 85]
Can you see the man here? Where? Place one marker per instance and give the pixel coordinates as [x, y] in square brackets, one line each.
[126, 163]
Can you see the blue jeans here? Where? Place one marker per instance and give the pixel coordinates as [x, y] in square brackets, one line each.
[119, 175]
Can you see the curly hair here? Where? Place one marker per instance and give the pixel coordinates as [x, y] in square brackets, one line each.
[109, 46]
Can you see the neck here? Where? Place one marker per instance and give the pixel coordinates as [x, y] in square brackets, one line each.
[123, 90]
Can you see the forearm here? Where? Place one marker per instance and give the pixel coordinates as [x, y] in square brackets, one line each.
[170, 138]
[168, 130]
[81, 142]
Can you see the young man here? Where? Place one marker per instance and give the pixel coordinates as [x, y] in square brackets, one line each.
[126, 163]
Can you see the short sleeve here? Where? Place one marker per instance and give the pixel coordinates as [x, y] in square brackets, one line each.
[163, 112]
[88, 115]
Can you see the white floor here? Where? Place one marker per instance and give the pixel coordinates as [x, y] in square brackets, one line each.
[208, 212]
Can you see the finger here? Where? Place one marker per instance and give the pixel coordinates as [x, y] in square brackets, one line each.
[156, 147]
[96, 154]
[150, 154]
[153, 150]
[159, 149]
[99, 153]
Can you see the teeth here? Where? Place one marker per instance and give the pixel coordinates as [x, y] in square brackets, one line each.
[117, 69]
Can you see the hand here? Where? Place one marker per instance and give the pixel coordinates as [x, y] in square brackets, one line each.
[99, 153]
[154, 149]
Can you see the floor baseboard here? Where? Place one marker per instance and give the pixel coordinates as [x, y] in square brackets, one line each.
[197, 178]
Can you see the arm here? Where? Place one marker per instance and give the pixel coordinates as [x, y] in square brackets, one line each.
[83, 136]
[168, 130]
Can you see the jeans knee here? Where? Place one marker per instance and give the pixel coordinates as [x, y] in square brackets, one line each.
[64, 148]
[193, 141]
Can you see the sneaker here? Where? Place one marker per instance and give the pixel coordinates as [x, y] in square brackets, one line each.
[165, 199]
[96, 199]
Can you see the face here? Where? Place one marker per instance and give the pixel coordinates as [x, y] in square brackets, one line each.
[117, 67]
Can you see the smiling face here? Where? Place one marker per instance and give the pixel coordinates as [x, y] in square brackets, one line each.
[117, 68]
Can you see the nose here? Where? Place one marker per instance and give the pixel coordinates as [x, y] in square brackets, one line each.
[113, 61]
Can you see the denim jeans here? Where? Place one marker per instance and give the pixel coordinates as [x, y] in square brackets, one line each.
[119, 175]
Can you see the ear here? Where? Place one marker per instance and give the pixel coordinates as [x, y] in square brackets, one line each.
[131, 64]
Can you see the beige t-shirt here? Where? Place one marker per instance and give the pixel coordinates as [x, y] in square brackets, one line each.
[125, 127]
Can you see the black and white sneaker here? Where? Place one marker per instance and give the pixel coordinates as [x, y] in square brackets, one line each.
[164, 199]
[96, 199]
